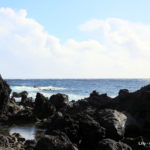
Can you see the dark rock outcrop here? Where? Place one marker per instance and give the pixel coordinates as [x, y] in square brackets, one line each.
[43, 108]
[59, 101]
[113, 121]
[4, 96]
[97, 122]
[98, 100]
[91, 132]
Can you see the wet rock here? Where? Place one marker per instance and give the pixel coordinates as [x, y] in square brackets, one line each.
[4, 96]
[56, 141]
[109, 144]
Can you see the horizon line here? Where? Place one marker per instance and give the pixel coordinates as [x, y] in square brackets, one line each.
[70, 78]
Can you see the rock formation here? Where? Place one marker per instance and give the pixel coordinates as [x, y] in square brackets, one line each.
[98, 122]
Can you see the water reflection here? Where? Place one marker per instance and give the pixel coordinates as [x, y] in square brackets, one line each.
[26, 131]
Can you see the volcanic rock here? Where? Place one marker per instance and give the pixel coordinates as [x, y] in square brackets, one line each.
[4, 96]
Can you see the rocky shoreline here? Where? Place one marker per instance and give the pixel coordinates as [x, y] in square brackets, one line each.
[97, 122]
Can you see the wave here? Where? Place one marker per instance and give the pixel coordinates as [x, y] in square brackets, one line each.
[47, 88]
[36, 88]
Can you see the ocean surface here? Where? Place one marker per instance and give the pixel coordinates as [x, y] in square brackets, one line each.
[75, 88]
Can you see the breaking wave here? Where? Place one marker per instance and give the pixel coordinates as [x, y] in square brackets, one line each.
[36, 88]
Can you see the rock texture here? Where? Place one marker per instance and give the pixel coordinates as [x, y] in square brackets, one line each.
[4, 96]
[97, 122]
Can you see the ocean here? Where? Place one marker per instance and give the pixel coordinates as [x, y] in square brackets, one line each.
[75, 88]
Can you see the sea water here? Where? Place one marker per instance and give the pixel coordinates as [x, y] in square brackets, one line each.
[75, 88]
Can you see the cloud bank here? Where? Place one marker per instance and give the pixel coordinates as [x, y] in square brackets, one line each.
[117, 49]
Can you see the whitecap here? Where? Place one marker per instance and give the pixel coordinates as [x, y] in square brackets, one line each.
[36, 88]
[48, 88]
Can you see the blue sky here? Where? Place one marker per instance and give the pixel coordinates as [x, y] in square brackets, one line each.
[75, 38]
[61, 17]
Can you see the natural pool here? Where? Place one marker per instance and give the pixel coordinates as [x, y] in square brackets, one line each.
[28, 131]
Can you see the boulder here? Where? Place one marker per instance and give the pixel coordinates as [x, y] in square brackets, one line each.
[43, 108]
[23, 116]
[27, 102]
[78, 107]
[91, 132]
[59, 101]
[137, 104]
[113, 121]
[66, 124]
[56, 141]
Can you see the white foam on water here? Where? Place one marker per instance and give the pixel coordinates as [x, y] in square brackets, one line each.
[36, 88]
[47, 88]
[23, 88]
[32, 91]
[76, 97]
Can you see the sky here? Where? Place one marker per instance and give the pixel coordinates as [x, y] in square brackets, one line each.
[75, 39]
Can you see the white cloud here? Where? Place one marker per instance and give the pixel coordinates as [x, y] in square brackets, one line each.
[127, 44]
[118, 49]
